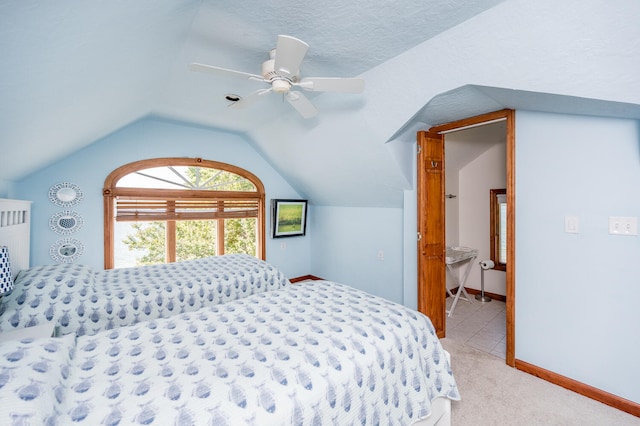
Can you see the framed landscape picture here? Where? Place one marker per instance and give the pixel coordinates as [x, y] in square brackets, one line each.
[289, 218]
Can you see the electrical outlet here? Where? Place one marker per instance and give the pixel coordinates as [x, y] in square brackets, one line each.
[619, 225]
[380, 255]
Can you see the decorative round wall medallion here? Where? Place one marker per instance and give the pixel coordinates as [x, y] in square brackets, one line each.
[66, 222]
[65, 194]
[66, 250]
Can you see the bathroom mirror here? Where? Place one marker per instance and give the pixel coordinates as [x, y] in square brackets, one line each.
[65, 194]
[66, 250]
[66, 222]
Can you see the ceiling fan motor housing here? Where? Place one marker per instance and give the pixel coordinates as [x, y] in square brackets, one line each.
[268, 71]
[279, 83]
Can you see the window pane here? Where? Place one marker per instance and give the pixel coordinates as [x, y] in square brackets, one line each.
[195, 239]
[139, 243]
[503, 232]
[240, 236]
[186, 177]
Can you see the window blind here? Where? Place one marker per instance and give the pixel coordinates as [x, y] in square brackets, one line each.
[185, 209]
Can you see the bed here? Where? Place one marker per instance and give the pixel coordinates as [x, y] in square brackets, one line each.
[81, 300]
[275, 353]
[310, 353]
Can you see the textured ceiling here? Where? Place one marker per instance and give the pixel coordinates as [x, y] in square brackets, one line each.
[346, 38]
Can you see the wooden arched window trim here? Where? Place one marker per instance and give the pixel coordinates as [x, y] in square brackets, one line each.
[111, 192]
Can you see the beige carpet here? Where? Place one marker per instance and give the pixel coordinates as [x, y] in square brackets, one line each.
[495, 394]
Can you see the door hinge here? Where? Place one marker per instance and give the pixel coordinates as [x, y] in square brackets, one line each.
[419, 149]
[419, 236]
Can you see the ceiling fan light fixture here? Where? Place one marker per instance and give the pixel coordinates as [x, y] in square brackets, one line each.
[281, 86]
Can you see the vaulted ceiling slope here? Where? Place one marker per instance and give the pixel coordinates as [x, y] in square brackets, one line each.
[75, 71]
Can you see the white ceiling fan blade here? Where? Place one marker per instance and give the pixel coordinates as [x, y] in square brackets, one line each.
[289, 55]
[329, 84]
[223, 71]
[302, 104]
[250, 99]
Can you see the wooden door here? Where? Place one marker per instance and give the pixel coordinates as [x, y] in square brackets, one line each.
[431, 276]
[431, 229]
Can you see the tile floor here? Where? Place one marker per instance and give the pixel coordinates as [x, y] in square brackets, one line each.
[479, 325]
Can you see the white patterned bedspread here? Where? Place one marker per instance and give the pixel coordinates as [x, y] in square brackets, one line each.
[316, 353]
[83, 301]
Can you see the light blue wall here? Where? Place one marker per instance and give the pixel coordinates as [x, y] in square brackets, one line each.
[5, 188]
[410, 247]
[577, 294]
[148, 138]
[345, 246]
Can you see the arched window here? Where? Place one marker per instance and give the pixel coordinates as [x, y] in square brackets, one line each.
[171, 209]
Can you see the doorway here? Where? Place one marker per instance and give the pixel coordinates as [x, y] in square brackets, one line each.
[432, 223]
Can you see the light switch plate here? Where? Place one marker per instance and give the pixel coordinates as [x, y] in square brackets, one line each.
[619, 225]
[572, 224]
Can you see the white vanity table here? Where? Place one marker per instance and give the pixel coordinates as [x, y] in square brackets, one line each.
[457, 256]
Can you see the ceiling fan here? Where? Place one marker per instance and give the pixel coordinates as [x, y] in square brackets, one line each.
[282, 73]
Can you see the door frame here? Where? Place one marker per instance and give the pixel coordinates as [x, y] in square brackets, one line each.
[507, 115]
